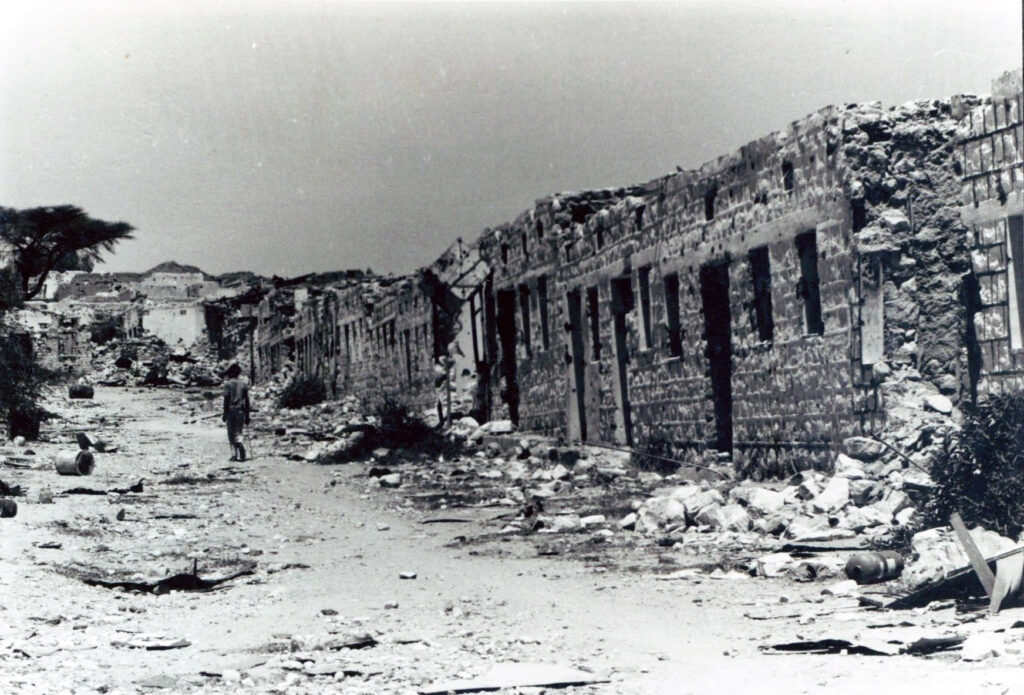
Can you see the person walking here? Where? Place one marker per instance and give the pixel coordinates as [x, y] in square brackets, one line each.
[236, 410]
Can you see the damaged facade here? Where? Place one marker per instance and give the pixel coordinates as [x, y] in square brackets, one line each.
[379, 338]
[760, 306]
[990, 153]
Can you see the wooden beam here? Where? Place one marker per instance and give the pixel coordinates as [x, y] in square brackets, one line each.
[981, 568]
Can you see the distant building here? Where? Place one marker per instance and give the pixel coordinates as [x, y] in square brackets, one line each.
[175, 323]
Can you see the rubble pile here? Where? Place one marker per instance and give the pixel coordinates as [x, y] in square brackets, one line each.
[869, 494]
[148, 361]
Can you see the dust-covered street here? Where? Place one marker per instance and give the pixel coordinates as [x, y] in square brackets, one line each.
[327, 548]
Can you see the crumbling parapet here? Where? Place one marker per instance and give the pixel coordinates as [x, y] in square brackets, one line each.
[755, 305]
[765, 306]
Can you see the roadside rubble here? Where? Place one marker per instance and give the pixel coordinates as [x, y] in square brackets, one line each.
[807, 528]
[148, 361]
[495, 485]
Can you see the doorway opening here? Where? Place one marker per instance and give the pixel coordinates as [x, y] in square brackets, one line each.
[575, 303]
[714, 292]
[622, 304]
[506, 300]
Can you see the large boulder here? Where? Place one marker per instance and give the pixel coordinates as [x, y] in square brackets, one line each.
[876, 515]
[939, 404]
[771, 525]
[774, 565]
[702, 500]
[763, 502]
[808, 489]
[813, 529]
[864, 492]
[857, 519]
[683, 492]
[849, 468]
[894, 502]
[727, 517]
[834, 497]
[650, 516]
[863, 448]
[499, 427]
[939, 552]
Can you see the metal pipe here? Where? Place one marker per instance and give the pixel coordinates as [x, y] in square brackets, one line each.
[899, 453]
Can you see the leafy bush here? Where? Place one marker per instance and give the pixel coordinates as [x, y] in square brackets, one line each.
[23, 382]
[302, 391]
[980, 470]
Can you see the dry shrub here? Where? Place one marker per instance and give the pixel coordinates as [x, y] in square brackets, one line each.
[302, 391]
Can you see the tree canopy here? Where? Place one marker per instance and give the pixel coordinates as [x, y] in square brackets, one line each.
[48, 238]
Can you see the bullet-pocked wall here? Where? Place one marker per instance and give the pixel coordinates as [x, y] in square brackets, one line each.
[990, 153]
[705, 309]
[764, 305]
[373, 340]
[754, 306]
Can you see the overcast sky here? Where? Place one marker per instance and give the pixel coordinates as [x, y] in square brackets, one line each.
[289, 137]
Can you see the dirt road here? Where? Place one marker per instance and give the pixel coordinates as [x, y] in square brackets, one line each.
[328, 550]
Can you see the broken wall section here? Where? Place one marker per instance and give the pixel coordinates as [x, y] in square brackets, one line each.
[703, 371]
[377, 339]
[903, 184]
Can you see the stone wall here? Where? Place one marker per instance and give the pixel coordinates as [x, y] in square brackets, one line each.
[762, 307]
[790, 391]
[680, 313]
[372, 339]
[175, 323]
[89, 284]
[990, 158]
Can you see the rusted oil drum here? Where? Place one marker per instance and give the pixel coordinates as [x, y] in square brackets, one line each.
[871, 568]
[74, 462]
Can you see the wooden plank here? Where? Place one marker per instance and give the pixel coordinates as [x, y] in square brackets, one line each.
[981, 568]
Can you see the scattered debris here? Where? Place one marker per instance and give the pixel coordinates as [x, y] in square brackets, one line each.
[136, 488]
[872, 568]
[152, 643]
[518, 675]
[177, 582]
[8, 508]
[81, 391]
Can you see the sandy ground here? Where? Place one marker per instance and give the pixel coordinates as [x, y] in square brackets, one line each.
[329, 548]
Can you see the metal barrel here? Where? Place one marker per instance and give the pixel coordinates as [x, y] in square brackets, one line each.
[74, 462]
[869, 568]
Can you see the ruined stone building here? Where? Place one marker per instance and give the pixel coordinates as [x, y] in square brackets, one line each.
[377, 337]
[762, 305]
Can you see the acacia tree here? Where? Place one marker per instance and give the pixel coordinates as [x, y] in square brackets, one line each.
[54, 237]
[39, 240]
